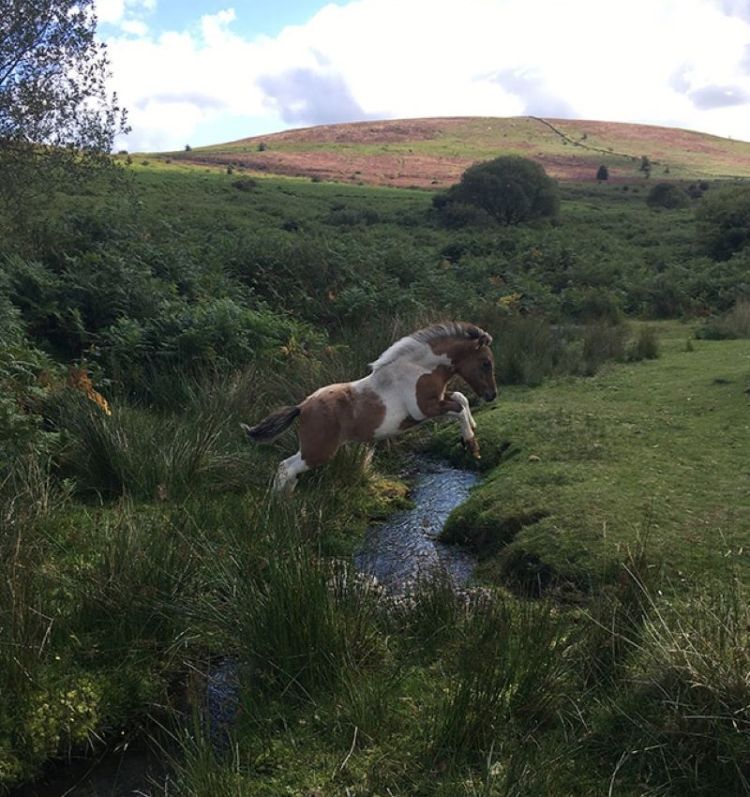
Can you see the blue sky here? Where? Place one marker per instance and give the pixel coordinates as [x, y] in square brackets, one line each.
[253, 18]
[214, 70]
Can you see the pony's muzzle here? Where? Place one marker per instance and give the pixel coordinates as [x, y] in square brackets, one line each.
[490, 395]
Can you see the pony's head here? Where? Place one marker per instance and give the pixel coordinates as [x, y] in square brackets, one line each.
[475, 364]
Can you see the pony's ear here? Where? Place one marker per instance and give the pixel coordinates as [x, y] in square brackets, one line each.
[484, 340]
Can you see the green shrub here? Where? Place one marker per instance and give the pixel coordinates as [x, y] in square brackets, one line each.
[724, 221]
[510, 189]
[667, 195]
[213, 336]
[245, 184]
[349, 217]
[586, 304]
[733, 324]
[602, 342]
[527, 350]
[26, 375]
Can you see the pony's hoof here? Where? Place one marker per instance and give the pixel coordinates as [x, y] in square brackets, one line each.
[473, 445]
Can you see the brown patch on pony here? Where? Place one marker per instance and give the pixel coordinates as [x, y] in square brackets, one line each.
[467, 356]
[431, 392]
[333, 415]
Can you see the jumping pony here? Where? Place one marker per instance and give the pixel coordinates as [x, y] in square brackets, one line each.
[406, 386]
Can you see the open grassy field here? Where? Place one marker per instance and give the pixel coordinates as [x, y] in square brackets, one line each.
[435, 152]
[607, 649]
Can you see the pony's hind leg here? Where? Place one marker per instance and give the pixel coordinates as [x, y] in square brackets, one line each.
[288, 470]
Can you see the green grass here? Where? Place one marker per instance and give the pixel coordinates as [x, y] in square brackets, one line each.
[196, 305]
[651, 450]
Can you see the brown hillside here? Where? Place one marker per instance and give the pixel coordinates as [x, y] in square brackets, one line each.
[434, 152]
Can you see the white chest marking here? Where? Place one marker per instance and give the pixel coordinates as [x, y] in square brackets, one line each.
[396, 385]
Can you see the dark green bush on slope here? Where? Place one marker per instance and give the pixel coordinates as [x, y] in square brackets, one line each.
[724, 221]
[667, 195]
[509, 189]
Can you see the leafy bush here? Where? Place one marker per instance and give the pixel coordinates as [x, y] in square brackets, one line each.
[667, 195]
[26, 374]
[510, 189]
[724, 221]
[216, 335]
[349, 217]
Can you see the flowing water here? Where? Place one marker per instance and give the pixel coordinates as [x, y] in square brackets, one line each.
[404, 549]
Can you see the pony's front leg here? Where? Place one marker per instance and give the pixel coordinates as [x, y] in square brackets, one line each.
[468, 424]
[457, 406]
[464, 402]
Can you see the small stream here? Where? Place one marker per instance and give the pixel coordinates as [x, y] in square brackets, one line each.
[405, 549]
[399, 553]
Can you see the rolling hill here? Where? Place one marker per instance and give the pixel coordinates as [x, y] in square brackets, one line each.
[435, 152]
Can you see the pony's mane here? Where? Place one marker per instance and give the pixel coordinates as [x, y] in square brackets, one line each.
[412, 344]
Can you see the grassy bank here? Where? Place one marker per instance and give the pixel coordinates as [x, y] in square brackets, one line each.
[581, 470]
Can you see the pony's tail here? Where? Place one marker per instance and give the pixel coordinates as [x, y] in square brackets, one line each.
[272, 426]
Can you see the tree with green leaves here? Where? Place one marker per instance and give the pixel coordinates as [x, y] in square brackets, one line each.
[58, 121]
[667, 195]
[724, 221]
[510, 189]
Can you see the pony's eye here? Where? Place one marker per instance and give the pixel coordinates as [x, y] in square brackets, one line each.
[486, 365]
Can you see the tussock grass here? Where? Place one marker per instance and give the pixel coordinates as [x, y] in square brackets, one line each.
[645, 346]
[300, 620]
[681, 716]
[695, 663]
[510, 672]
[27, 497]
[155, 456]
[143, 572]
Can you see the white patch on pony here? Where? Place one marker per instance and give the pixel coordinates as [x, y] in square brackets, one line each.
[396, 386]
[466, 409]
[288, 470]
[465, 418]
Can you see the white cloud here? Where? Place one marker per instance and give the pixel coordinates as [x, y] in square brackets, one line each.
[135, 26]
[672, 62]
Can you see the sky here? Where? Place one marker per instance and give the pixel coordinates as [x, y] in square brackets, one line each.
[212, 71]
